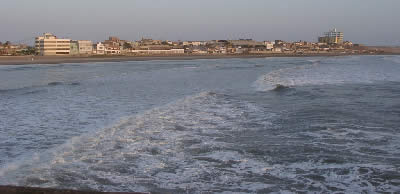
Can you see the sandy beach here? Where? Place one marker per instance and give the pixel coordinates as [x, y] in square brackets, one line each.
[24, 60]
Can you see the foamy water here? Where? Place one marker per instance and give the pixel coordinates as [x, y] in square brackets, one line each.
[204, 126]
[316, 73]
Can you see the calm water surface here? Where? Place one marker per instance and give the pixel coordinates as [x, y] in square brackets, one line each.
[197, 126]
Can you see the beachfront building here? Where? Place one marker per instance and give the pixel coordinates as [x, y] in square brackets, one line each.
[332, 37]
[110, 50]
[159, 52]
[113, 46]
[81, 47]
[245, 43]
[48, 45]
[99, 49]
[85, 47]
[194, 43]
[269, 45]
[74, 49]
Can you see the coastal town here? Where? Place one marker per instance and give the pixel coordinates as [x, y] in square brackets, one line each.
[331, 42]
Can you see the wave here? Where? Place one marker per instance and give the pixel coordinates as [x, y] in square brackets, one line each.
[362, 172]
[63, 83]
[282, 77]
[323, 177]
[394, 59]
[332, 71]
[38, 88]
[176, 147]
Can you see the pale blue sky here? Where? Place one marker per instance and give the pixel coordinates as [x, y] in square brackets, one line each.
[373, 22]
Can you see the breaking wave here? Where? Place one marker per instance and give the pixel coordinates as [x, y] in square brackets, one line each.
[178, 147]
[327, 72]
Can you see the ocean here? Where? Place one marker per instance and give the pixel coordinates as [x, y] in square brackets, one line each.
[204, 126]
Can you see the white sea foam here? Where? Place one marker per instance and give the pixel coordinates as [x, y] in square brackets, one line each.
[321, 72]
[171, 147]
[346, 178]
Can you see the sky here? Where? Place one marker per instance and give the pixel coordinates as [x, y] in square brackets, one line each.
[371, 22]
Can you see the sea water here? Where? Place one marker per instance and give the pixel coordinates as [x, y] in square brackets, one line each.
[200, 126]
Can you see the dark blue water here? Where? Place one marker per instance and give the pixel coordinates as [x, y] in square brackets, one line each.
[216, 126]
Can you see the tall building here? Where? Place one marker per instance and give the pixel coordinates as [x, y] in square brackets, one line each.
[48, 44]
[332, 37]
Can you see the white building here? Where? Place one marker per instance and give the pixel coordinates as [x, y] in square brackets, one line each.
[193, 43]
[49, 44]
[85, 47]
[269, 45]
[99, 49]
[159, 52]
[112, 50]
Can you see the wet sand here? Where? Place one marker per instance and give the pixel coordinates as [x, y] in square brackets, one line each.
[24, 60]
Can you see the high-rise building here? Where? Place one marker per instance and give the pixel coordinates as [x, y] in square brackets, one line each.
[48, 44]
[332, 37]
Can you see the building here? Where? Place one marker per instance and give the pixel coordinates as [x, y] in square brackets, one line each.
[49, 44]
[74, 48]
[85, 47]
[193, 43]
[113, 46]
[246, 43]
[332, 37]
[159, 52]
[99, 49]
[110, 50]
[269, 45]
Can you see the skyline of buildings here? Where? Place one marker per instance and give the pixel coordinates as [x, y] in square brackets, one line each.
[50, 45]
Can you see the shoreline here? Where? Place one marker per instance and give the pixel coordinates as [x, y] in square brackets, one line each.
[27, 60]
[35, 190]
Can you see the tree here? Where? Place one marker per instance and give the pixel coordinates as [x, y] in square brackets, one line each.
[30, 50]
[127, 45]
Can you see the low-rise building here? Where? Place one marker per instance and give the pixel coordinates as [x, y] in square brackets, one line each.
[193, 43]
[85, 47]
[269, 45]
[277, 49]
[99, 49]
[74, 48]
[110, 50]
[113, 46]
[246, 43]
[159, 52]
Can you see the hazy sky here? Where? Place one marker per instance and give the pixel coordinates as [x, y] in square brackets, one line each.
[373, 22]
